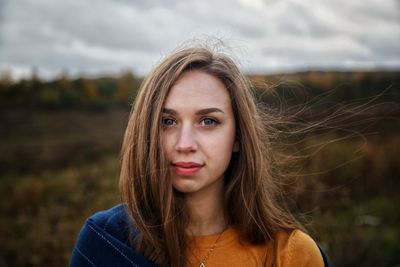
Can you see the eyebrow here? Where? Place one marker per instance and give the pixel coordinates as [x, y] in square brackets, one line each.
[199, 112]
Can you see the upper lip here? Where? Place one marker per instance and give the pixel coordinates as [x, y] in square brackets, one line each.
[184, 164]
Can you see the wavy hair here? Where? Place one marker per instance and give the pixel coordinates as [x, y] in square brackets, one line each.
[158, 211]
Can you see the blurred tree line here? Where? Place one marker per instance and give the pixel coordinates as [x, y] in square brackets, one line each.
[65, 92]
[312, 88]
[318, 88]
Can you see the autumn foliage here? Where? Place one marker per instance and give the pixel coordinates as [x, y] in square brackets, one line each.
[59, 160]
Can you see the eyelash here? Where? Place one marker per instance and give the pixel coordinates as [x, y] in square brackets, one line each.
[164, 120]
[213, 122]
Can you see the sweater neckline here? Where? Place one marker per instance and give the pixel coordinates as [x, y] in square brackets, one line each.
[203, 242]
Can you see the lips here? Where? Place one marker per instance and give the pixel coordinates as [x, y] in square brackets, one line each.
[187, 168]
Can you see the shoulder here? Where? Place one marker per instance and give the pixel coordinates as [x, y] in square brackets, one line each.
[114, 221]
[297, 249]
[110, 217]
[104, 240]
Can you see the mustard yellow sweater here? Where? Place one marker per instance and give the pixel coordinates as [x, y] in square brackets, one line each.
[295, 249]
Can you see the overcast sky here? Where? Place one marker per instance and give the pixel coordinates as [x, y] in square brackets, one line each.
[94, 37]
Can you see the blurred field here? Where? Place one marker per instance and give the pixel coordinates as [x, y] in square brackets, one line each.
[59, 164]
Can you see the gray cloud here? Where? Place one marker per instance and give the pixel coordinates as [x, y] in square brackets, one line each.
[98, 36]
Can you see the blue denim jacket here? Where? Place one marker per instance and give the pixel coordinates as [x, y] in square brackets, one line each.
[104, 241]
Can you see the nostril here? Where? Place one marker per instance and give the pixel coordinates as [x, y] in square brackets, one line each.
[185, 148]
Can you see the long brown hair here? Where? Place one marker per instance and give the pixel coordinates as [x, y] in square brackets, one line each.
[251, 193]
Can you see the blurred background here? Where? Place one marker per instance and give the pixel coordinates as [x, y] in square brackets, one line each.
[69, 71]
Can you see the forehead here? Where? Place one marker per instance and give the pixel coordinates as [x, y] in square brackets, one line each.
[198, 89]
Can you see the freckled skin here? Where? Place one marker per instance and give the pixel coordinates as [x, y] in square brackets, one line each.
[206, 139]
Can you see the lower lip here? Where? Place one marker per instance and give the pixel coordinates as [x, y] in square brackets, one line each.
[187, 171]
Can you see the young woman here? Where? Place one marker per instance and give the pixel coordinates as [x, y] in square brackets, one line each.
[196, 179]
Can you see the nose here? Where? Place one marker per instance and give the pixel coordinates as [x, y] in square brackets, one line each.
[186, 140]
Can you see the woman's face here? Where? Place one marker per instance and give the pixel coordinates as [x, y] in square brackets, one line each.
[198, 132]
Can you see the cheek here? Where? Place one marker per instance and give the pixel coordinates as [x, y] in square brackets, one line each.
[222, 144]
[166, 143]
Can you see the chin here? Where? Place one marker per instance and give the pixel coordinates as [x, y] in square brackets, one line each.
[185, 188]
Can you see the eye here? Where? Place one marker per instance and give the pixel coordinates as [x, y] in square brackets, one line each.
[168, 122]
[208, 122]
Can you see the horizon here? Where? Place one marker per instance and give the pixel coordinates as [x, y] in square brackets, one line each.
[6, 74]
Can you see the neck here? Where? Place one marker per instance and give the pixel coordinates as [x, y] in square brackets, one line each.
[206, 212]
